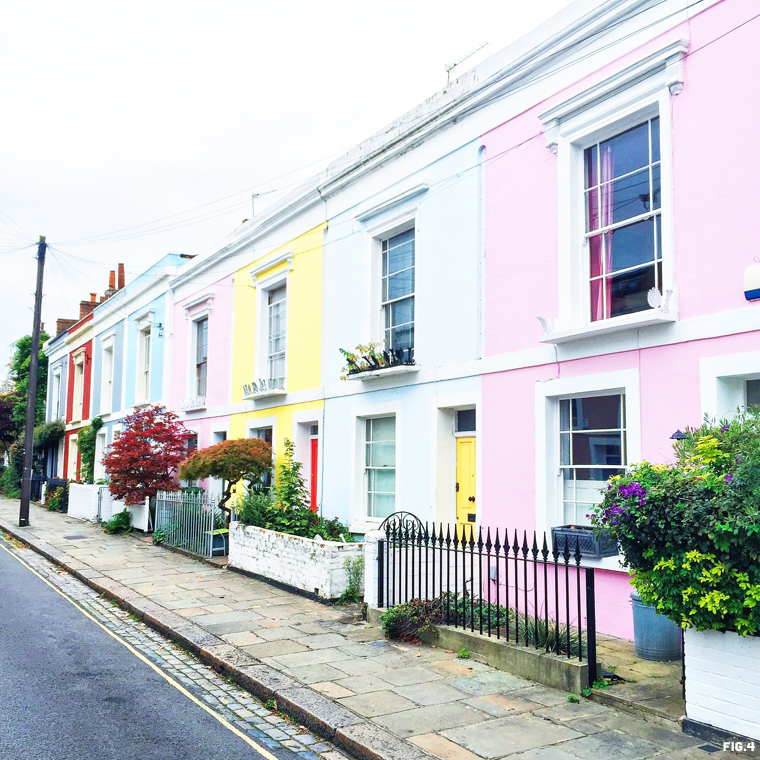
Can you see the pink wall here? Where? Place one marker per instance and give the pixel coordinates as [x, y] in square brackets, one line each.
[716, 228]
[219, 358]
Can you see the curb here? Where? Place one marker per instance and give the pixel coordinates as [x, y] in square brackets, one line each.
[346, 729]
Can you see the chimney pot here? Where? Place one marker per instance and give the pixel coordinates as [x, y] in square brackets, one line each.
[94, 297]
[122, 281]
[112, 280]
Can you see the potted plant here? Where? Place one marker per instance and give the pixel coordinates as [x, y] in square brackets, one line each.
[690, 535]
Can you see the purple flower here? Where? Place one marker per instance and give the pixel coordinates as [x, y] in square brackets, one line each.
[633, 490]
[729, 478]
[724, 428]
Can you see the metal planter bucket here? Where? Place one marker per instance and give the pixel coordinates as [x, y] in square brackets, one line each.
[654, 636]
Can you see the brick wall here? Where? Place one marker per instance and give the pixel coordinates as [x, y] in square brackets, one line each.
[313, 566]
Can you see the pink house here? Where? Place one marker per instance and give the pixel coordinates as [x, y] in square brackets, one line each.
[620, 219]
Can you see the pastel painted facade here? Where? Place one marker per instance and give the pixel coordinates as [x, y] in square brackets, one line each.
[130, 357]
[617, 374]
[277, 352]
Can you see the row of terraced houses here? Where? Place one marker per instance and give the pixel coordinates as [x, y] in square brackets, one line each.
[556, 252]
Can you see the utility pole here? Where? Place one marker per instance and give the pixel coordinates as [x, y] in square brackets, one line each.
[31, 400]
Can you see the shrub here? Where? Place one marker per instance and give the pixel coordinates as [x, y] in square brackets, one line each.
[410, 620]
[259, 509]
[355, 568]
[86, 443]
[121, 522]
[54, 498]
[690, 531]
[290, 487]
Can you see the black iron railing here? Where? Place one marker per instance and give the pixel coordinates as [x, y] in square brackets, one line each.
[514, 588]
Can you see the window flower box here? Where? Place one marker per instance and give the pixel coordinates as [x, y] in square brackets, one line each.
[367, 361]
[591, 546]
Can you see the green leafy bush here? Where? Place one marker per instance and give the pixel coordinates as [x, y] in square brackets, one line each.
[690, 531]
[355, 568]
[410, 620]
[259, 509]
[86, 443]
[121, 522]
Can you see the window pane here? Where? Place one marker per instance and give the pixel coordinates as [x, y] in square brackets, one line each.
[597, 448]
[564, 414]
[595, 254]
[592, 210]
[383, 428]
[599, 299]
[625, 152]
[401, 337]
[398, 285]
[383, 481]
[402, 312]
[382, 454]
[632, 245]
[753, 392]
[628, 197]
[656, 194]
[465, 420]
[655, 139]
[596, 413]
[382, 505]
[590, 161]
[629, 291]
[564, 448]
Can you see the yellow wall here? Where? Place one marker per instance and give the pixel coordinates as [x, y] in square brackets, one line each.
[284, 422]
[304, 316]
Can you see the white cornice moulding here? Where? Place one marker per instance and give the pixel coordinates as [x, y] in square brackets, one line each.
[396, 200]
[207, 299]
[667, 61]
[265, 266]
[144, 319]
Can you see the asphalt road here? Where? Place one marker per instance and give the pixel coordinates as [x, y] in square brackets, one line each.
[69, 691]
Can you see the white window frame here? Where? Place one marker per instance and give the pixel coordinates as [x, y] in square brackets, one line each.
[106, 378]
[101, 446]
[142, 381]
[368, 468]
[265, 285]
[55, 395]
[79, 359]
[622, 101]
[722, 382]
[385, 305]
[374, 317]
[196, 326]
[549, 507]
[196, 309]
[275, 356]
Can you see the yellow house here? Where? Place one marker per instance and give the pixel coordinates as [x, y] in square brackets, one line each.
[276, 350]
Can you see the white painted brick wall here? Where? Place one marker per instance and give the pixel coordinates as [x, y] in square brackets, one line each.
[83, 501]
[313, 566]
[723, 680]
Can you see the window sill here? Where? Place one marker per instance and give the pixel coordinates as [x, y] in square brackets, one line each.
[364, 527]
[193, 404]
[608, 326]
[371, 374]
[268, 393]
[606, 563]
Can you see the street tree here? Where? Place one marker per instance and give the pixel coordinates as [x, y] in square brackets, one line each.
[144, 458]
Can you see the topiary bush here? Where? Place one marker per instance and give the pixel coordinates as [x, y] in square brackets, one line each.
[690, 531]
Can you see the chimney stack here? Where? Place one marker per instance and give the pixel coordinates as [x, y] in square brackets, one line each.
[86, 307]
[112, 280]
[94, 297]
[122, 281]
[63, 324]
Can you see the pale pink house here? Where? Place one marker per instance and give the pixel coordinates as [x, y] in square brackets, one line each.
[620, 217]
[202, 358]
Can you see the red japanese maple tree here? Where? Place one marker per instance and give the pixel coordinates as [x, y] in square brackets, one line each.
[144, 458]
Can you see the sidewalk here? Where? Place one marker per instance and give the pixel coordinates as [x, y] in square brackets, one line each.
[337, 674]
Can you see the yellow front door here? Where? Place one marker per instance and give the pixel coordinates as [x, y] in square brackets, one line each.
[466, 482]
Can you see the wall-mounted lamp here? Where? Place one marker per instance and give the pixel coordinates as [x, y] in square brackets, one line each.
[678, 436]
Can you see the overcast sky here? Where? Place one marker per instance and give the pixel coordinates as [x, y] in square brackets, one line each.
[117, 115]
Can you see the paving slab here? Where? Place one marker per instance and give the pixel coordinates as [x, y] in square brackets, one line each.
[614, 745]
[376, 703]
[505, 736]
[430, 693]
[423, 720]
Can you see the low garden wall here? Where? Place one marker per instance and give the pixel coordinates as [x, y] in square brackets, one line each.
[722, 684]
[314, 567]
[90, 502]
